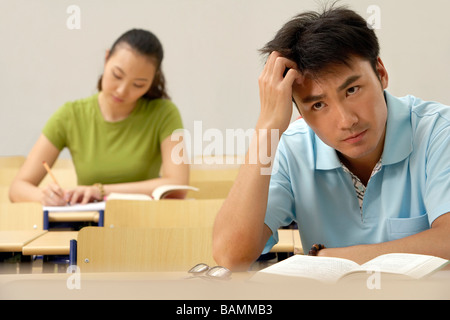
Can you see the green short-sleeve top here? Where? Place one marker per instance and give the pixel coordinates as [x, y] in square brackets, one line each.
[113, 152]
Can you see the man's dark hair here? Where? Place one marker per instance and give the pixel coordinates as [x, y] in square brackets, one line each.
[316, 40]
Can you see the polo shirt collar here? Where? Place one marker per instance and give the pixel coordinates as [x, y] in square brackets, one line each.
[398, 144]
[398, 141]
[326, 157]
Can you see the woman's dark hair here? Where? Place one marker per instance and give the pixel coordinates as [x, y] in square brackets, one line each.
[146, 43]
[314, 40]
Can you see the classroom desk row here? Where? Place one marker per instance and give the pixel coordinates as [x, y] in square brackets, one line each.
[44, 242]
[29, 243]
[120, 214]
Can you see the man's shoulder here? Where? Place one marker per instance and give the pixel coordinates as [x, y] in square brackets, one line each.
[300, 139]
[297, 128]
[421, 108]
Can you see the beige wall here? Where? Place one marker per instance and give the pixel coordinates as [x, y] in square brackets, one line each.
[211, 64]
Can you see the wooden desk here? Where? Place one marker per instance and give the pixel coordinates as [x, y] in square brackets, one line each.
[288, 241]
[176, 286]
[51, 243]
[298, 249]
[14, 241]
[285, 241]
[74, 216]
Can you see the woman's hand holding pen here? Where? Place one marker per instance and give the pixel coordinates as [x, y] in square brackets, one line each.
[275, 90]
[83, 195]
[53, 195]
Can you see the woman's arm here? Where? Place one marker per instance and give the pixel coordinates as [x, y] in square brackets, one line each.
[25, 185]
[172, 172]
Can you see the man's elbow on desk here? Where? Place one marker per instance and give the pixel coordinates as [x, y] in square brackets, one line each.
[238, 249]
[232, 256]
[232, 261]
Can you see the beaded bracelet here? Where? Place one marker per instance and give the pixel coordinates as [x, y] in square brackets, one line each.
[99, 186]
[315, 249]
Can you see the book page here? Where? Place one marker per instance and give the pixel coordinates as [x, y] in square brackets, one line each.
[161, 191]
[413, 265]
[128, 196]
[324, 269]
[92, 206]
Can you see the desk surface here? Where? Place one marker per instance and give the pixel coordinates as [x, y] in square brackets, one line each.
[51, 243]
[13, 241]
[176, 286]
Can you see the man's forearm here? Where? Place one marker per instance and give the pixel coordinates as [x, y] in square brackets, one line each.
[239, 230]
[434, 241]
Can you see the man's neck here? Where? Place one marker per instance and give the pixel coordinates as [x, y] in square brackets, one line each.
[361, 168]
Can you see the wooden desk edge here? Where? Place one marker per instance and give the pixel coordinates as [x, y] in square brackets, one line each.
[73, 216]
[57, 246]
[17, 247]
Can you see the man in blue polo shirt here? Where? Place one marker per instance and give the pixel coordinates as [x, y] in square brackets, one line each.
[363, 173]
[404, 195]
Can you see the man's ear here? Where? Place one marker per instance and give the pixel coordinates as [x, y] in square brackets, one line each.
[296, 106]
[382, 73]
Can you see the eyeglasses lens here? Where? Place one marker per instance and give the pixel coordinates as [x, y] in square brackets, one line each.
[199, 268]
[219, 272]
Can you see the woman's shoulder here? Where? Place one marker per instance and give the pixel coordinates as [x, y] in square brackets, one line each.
[157, 103]
[75, 107]
[90, 101]
[158, 107]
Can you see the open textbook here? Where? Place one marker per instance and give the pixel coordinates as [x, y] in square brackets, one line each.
[331, 270]
[159, 193]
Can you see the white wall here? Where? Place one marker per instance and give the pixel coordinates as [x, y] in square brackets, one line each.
[212, 61]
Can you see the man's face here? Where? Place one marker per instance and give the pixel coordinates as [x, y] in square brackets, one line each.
[345, 107]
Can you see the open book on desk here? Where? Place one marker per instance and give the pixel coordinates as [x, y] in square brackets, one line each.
[331, 270]
[159, 193]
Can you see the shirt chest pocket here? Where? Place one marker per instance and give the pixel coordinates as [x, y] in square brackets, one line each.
[402, 227]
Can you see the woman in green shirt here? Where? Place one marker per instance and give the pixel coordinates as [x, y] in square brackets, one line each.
[119, 139]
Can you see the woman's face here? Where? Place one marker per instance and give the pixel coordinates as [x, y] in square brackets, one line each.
[127, 77]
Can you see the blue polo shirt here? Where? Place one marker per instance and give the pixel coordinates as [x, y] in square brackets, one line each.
[412, 188]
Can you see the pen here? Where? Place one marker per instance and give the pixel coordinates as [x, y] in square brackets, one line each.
[50, 173]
